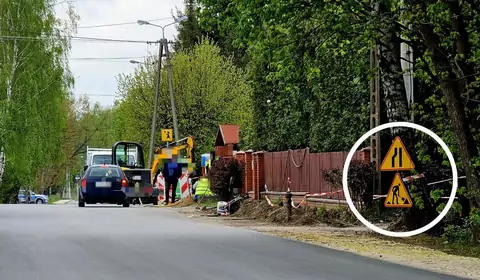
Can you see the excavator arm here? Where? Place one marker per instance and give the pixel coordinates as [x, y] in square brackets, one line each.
[166, 152]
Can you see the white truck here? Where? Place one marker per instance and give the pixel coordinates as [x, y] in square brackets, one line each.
[103, 156]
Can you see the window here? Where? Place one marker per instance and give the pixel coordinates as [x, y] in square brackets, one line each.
[104, 172]
[102, 159]
[126, 155]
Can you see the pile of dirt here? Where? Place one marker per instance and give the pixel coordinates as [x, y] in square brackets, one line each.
[261, 210]
[254, 210]
[184, 202]
[338, 217]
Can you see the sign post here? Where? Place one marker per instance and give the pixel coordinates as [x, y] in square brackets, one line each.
[397, 159]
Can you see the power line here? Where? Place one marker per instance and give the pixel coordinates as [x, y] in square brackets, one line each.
[119, 24]
[95, 94]
[80, 38]
[108, 58]
[71, 1]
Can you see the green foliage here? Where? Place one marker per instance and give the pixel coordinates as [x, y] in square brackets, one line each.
[457, 234]
[226, 173]
[35, 85]
[189, 31]
[360, 181]
[209, 90]
[318, 97]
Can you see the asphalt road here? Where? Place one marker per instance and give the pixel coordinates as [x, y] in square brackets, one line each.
[110, 242]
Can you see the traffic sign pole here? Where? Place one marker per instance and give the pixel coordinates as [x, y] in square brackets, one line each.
[397, 159]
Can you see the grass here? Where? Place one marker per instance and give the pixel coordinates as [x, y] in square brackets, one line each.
[436, 243]
[208, 201]
[54, 198]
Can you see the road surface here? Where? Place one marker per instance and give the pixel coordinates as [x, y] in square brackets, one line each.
[110, 242]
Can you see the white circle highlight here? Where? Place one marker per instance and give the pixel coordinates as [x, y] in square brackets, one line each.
[454, 177]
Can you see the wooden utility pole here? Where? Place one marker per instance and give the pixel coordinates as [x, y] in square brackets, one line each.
[375, 113]
[375, 155]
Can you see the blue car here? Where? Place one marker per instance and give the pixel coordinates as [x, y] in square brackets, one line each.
[103, 184]
[34, 198]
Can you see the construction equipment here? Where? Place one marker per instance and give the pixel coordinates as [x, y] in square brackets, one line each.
[140, 187]
[182, 149]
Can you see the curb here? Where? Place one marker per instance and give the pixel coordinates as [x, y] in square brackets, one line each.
[64, 201]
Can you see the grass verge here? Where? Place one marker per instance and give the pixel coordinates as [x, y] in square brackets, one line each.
[436, 243]
[54, 198]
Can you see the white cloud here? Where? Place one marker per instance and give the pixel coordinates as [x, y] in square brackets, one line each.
[98, 77]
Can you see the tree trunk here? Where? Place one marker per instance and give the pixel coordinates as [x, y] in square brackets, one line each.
[451, 89]
[2, 164]
[392, 84]
[10, 83]
[392, 80]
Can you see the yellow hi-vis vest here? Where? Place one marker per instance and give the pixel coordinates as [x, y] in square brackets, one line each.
[203, 188]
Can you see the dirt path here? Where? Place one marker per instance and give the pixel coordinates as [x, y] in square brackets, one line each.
[356, 240]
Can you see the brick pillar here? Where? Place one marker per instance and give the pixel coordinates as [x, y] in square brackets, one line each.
[241, 157]
[365, 154]
[259, 176]
[249, 171]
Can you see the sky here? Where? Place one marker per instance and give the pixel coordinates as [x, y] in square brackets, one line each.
[98, 77]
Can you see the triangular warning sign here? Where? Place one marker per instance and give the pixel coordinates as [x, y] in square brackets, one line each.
[397, 158]
[398, 196]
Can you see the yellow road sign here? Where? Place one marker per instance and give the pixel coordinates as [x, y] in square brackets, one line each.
[398, 196]
[397, 158]
[167, 135]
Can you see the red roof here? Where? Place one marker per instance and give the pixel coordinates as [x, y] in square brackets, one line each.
[228, 134]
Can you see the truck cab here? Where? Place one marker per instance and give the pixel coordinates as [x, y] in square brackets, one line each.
[104, 156]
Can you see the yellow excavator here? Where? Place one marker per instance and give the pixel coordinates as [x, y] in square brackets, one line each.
[182, 149]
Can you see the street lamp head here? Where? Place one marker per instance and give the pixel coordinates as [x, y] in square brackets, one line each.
[182, 18]
[142, 22]
[134, 62]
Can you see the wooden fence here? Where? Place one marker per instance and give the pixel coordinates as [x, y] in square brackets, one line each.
[304, 169]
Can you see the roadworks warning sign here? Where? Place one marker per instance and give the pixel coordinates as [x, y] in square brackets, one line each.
[398, 196]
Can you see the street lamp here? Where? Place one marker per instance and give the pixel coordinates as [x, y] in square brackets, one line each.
[163, 43]
[138, 62]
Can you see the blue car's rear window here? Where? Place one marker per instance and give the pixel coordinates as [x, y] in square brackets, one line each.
[104, 172]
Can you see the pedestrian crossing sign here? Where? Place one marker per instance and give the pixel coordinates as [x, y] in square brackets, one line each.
[398, 196]
[167, 135]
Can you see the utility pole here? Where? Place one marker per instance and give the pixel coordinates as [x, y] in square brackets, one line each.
[375, 113]
[375, 155]
[172, 100]
[155, 107]
[163, 43]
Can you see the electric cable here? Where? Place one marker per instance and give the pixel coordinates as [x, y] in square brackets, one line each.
[91, 39]
[108, 58]
[118, 24]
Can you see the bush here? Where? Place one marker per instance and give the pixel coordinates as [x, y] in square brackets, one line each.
[360, 180]
[226, 173]
[461, 234]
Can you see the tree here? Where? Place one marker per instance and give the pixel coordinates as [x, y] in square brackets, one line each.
[189, 32]
[35, 82]
[209, 90]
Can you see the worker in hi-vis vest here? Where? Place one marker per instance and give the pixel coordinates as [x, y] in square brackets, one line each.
[202, 188]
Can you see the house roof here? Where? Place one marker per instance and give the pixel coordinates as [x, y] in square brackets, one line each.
[227, 134]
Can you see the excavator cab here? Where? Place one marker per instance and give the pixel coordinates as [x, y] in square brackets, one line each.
[128, 155]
